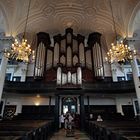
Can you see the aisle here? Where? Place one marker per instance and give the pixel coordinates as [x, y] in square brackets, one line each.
[77, 136]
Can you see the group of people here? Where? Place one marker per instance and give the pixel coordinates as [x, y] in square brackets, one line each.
[67, 120]
[99, 118]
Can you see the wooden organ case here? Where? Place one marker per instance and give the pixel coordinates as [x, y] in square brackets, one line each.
[69, 61]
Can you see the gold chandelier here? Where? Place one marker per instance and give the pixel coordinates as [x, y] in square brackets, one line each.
[21, 52]
[118, 52]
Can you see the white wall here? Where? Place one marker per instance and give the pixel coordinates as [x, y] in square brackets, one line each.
[30, 71]
[107, 66]
[107, 69]
[123, 101]
[34, 100]
[20, 70]
[118, 101]
[99, 101]
[17, 70]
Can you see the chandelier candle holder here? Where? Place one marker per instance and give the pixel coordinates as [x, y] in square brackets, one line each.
[21, 52]
[119, 53]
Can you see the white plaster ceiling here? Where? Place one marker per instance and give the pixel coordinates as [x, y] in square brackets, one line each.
[53, 16]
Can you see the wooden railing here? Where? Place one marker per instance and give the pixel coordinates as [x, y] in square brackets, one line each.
[97, 87]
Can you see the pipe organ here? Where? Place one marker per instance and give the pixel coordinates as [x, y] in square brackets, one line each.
[69, 60]
[68, 78]
[94, 44]
[40, 62]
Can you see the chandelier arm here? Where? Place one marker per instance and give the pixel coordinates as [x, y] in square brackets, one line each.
[21, 52]
[27, 19]
[114, 25]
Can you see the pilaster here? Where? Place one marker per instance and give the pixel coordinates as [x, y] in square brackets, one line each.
[135, 69]
[114, 73]
[5, 42]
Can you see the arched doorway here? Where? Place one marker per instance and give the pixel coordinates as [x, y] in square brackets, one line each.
[69, 104]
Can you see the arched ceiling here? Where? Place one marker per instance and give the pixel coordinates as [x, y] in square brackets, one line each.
[53, 16]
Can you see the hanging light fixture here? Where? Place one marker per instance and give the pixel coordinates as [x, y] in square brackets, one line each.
[21, 51]
[119, 52]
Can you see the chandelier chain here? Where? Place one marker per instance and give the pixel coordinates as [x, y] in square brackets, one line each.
[22, 51]
[27, 18]
[114, 25]
[119, 52]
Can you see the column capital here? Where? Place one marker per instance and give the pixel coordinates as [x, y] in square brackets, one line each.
[4, 37]
[114, 70]
[5, 41]
[129, 40]
[114, 67]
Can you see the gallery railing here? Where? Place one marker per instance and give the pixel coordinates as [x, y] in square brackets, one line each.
[97, 87]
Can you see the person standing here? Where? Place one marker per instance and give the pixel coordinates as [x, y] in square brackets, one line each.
[70, 118]
[99, 119]
[62, 118]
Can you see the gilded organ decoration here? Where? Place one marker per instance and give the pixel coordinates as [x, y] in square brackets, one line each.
[69, 60]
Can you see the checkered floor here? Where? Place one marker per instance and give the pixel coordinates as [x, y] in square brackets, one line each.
[61, 135]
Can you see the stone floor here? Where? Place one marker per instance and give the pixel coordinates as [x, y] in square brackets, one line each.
[78, 135]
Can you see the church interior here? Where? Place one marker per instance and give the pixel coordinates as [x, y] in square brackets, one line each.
[57, 59]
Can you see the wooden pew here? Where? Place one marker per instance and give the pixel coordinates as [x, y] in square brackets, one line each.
[26, 130]
[109, 130]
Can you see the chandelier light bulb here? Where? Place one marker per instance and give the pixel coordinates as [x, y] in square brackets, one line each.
[20, 52]
[120, 53]
[134, 51]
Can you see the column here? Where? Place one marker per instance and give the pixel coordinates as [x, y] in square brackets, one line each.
[119, 106]
[3, 67]
[82, 112]
[57, 112]
[114, 73]
[88, 107]
[23, 72]
[5, 42]
[135, 71]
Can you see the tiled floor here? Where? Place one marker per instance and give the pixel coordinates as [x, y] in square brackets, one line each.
[61, 135]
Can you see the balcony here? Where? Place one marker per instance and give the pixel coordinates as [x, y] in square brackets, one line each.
[110, 87]
[91, 88]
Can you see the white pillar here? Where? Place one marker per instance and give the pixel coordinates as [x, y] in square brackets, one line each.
[119, 106]
[23, 72]
[6, 43]
[135, 71]
[3, 67]
[114, 73]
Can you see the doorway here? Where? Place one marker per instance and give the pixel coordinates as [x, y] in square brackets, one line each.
[69, 104]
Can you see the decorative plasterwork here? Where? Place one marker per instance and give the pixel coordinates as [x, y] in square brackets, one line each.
[84, 16]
